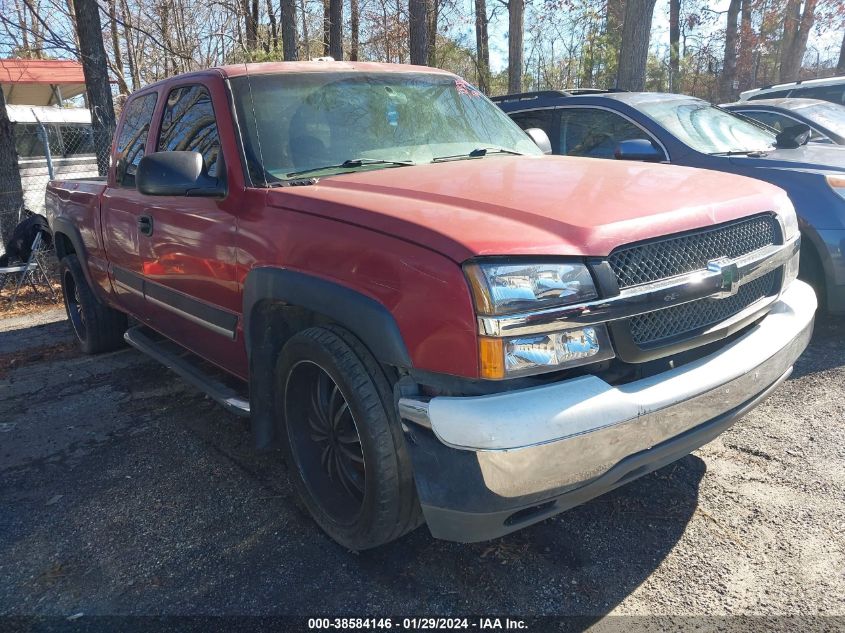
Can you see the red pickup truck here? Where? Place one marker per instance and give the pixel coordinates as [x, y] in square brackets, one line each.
[432, 319]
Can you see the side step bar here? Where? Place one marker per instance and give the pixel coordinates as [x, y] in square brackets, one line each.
[191, 372]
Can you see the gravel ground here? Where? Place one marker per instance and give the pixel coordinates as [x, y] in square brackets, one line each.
[125, 491]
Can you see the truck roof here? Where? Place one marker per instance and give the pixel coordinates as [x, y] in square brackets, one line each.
[316, 66]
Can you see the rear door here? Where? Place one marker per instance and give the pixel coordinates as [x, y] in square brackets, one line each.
[123, 206]
[188, 257]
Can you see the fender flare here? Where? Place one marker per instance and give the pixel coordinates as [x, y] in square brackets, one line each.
[363, 316]
[67, 228]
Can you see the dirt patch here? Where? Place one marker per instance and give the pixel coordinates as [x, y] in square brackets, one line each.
[59, 351]
[29, 301]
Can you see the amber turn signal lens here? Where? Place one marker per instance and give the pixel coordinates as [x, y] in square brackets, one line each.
[491, 358]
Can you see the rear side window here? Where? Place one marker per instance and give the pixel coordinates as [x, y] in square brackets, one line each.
[132, 142]
[777, 94]
[594, 133]
[188, 124]
[835, 94]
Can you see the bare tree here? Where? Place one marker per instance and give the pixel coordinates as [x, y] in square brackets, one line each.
[11, 194]
[633, 55]
[418, 31]
[116, 54]
[674, 44]
[726, 88]
[796, 30]
[516, 31]
[289, 30]
[482, 46]
[840, 67]
[95, 68]
[354, 30]
[336, 29]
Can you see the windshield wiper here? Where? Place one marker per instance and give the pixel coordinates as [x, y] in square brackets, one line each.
[351, 164]
[479, 152]
[753, 153]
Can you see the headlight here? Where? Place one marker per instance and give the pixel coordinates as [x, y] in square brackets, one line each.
[837, 183]
[526, 355]
[505, 288]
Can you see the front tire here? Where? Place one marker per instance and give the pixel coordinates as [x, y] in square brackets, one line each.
[342, 440]
[98, 327]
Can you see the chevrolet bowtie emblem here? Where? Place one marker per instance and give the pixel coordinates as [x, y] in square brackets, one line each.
[728, 276]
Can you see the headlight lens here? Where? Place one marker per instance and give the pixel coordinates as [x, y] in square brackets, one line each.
[505, 288]
[837, 183]
[539, 353]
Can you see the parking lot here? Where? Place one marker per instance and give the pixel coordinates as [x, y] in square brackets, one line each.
[125, 491]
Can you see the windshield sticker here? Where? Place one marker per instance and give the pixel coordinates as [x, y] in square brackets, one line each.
[466, 89]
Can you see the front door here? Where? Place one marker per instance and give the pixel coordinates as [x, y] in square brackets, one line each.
[188, 258]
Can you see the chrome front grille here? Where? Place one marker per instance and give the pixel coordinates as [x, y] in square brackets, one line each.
[655, 328]
[677, 255]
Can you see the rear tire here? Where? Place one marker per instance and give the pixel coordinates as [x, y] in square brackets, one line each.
[98, 327]
[342, 440]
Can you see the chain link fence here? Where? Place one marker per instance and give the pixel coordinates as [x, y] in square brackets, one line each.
[48, 151]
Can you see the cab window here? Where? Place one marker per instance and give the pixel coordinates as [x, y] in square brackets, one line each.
[132, 141]
[188, 124]
[594, 133]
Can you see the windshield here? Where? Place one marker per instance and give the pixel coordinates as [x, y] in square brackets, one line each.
[707, 129]
[315, 122]
[827, 115]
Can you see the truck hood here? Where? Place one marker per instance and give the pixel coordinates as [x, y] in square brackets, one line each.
[811, 157]
[551, 205]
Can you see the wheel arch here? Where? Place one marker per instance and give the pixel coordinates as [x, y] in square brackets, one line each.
[280, 302]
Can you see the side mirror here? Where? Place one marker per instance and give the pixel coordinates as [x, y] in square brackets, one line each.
[177, 174]
[638, 149]
[540, 138]
[793, 136]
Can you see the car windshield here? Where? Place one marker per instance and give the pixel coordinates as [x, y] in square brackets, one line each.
[323, 123]
[708, 129]
[827, 115]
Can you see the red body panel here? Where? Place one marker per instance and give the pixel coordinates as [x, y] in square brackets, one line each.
[396, 235]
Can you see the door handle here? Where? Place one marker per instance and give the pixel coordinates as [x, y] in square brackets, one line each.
[145, 225]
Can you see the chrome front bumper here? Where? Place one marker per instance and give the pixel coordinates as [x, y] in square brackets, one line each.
[519, 449]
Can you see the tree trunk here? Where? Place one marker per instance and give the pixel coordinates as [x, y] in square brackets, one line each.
[634, 51]
[130, 48]
[11, 194]
[274, 31]
[482, 46]
[516, 25]
[796, 30]
[613, 30]
[840, 67]
[327, 20]
[250, 11]
[306, 41]
[745, 56]
[418, 31]
[336, 29]
[674, 44]
[726, 90]
[433, 22]
[355, 30]
[95, 70]
[115, 42]
[289, 30]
